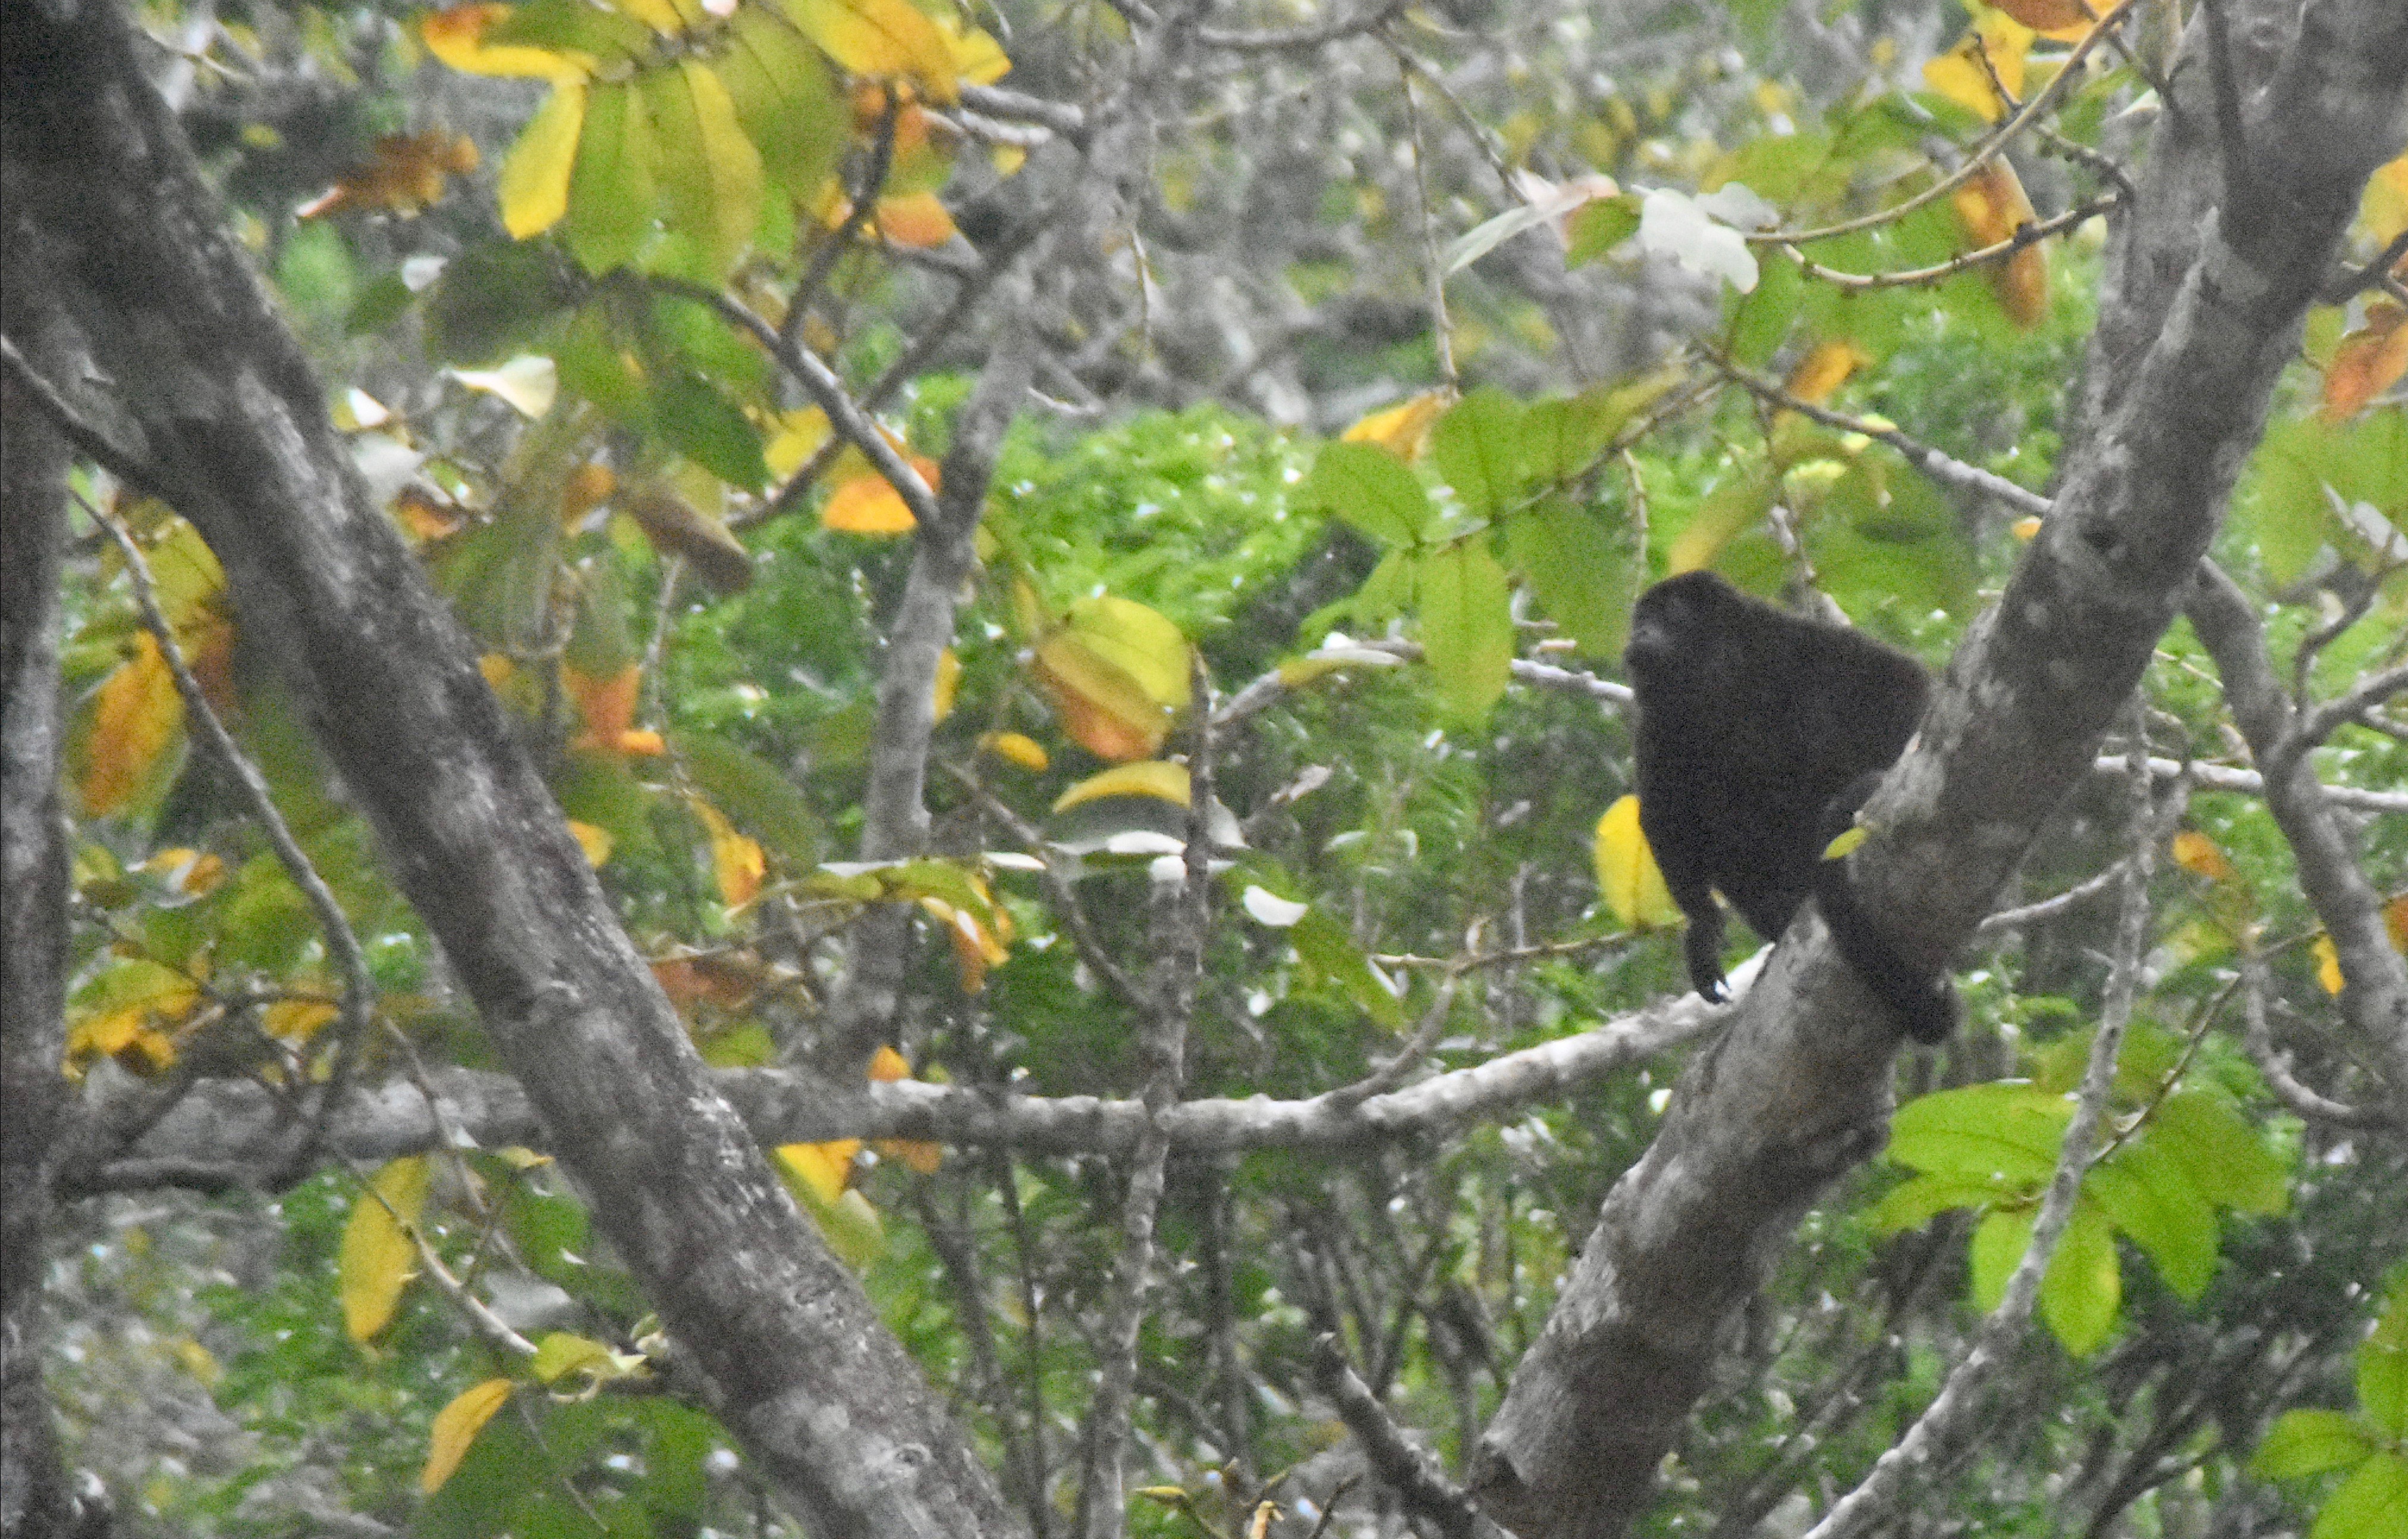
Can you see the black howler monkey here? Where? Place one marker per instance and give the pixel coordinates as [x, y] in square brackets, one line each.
[1761, 732]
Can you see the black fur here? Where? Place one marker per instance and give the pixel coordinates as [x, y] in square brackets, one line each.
[1761, 732]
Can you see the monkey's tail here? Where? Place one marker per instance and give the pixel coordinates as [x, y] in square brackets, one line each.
[1923, 1003]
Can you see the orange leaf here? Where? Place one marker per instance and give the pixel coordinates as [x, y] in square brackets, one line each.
[586, 488]
[2368, 362]
[2196, 853]
[916, 220]
[2395, 919]
[404, 173]
[736, 862]
[136, 716]
[866, 505]
[1017, 747]
[608, 705]
[1991, 207]
[2067, 19]
[1825, 370]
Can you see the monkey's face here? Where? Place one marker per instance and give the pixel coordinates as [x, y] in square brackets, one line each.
[1676, 627]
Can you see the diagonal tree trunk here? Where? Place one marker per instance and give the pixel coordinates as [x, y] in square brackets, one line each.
[2238, 218]
[110, 233]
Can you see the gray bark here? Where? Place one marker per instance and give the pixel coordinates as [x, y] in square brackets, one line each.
[193, 385]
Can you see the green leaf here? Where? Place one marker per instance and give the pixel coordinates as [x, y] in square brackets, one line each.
[1581, 570]
[612, 194]
[571, 26]
[495, 299]
[709, 169]
[1599, 226]
[1760, 318]
[2305, 1443]
[2000, 1241]
[710, 430]
[1330, 955]
[1564, 436]
[2084, 1285]
[2006, 1135]
[787, 100]
[1482, 450]
[1467, 625]
[2383, 1368]
[379, 303]
[754, 792]
[2227, 1160]
[2148, 1196]
[1923, 1198]
[1370, 488]
[2373, 1503]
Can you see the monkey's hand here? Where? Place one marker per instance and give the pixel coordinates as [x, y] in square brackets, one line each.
[1702, 946]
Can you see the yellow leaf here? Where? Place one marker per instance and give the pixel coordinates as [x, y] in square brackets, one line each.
[377, 1258]
[296, 1019]
[2383, 213]
[457, 1426]
[823, 1168]
[2327, 963]
[978, 58]
[1627, 873]
[135, 717]
[596, 842]
[534, 177]
[1847, 842]
[1017, 747]
[2027, 526]
[1958, 75]
[2196, 853]
[980, 941]
[2395, 921]
[1825, 370]
[949, 682]
[798, 438]
[735, 860]
[887, 1066]
[881, 38]
[456, 36]
[1404, 429]
[1156, 778]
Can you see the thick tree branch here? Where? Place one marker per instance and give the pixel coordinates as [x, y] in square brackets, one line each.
[1799, 1089]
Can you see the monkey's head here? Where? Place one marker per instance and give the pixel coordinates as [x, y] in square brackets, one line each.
[1676, 624]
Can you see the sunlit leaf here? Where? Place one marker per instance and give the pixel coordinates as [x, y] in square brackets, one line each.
[1016, 747]
[787, 100]
[1370, 489]
[457, 1426]
[378, 1258]
[2084, 1287]
[1626, 874]
[2309, 1442]
[456, 36]
[736, 862]
[534, 177]
[869, 504]
[1958, 75]
[881, 38]
[1403, 429]
[1155, 777]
